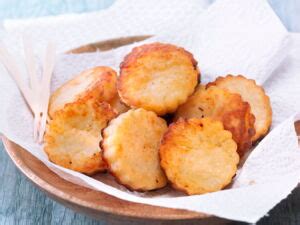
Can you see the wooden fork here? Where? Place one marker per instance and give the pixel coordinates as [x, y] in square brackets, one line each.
[37, 95]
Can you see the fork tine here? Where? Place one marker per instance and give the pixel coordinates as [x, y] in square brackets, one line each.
[31, 69]
[48, 66]
[30, 62]
[35, 128]
[42, 128]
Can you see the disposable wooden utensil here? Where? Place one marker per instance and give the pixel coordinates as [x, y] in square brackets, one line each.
[31, 69]
[48, 66]
[37, 95]
[42, 89]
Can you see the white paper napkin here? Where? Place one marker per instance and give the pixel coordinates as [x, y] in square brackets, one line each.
[123, 18]
[230, 37]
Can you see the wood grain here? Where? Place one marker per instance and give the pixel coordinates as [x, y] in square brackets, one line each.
[108, 45]
[96, 204]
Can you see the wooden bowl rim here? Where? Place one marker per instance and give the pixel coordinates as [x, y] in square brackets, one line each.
[48, 188]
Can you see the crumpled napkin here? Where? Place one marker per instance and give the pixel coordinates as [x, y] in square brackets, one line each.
[231, 36]
[123, 18]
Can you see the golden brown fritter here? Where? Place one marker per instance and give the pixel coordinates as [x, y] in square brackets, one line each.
[229, 108]
[254, 95]
[198, 155]
[98, 83]
[73, 135]
[157, 77]
[130, 148]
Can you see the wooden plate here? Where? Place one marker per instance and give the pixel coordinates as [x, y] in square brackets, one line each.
[93, 203]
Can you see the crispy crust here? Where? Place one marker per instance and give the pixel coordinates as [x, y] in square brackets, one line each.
[198, 155]
[157, 77]
[98, 83]
[130, 148]
[117, 105]
[73, 135]
[254, 95]
[229, 108]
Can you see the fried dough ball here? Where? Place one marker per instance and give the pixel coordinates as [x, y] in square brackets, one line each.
[254, 95]
[157, 77]
[73, 135]
[229, 108]
[198, 155]
[130, 148]
[98, 83]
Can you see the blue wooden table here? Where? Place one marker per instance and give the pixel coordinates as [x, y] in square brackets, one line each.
[21, 203]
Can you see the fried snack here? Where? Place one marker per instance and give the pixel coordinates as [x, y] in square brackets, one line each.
[73, 135]
[130, 148]
[198, 155]
[157, 77]
[98, 83]
[117, 105]
[229, 108]
[254, 95]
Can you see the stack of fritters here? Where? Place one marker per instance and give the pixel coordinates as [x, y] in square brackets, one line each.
[103, 122]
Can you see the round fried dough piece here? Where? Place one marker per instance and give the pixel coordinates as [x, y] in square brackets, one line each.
[198, 155]
[254, 95]
[98, 83]
[157, 77]
[130, 148]
[229, 108]
[73, 135]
